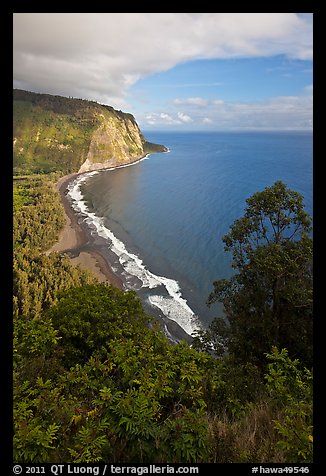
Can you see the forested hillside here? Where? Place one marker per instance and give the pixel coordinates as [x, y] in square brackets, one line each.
[94, 382]
[54, 133]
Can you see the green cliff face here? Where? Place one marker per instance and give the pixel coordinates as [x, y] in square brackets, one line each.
[54, 133]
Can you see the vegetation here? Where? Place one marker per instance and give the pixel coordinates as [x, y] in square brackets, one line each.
[57, 134]
[47, 136]
[38, 217]
[150, 148]
[269, 301]
[94, 382]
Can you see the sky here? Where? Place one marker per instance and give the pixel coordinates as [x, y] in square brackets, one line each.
[174, 71]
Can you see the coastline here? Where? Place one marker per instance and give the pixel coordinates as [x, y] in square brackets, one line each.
[75, 241]
[85, 250]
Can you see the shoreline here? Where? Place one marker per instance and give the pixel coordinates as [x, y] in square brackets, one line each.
[78, 243]
[74, 241]
[74, 238]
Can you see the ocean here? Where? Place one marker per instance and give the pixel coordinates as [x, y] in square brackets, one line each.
[164, 217]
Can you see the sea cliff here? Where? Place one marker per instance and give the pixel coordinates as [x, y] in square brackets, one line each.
[55, 133]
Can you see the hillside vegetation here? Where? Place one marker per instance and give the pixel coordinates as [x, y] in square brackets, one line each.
[54, 133]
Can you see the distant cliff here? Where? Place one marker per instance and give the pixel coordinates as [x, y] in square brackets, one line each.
[73, 135]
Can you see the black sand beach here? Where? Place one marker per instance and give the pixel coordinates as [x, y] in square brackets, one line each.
[91, 253]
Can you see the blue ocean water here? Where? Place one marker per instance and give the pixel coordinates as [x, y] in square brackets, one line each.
[164, 218]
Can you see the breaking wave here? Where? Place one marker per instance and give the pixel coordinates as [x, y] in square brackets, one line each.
[161, 292]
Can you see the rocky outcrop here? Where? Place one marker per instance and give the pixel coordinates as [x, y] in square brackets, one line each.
[116, 141]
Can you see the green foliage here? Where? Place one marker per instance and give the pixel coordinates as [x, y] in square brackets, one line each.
[34, 337]
[83, 313]
[20, 198]
[91, 442]
[138, 400]
[269, 301]
[94, 382]
[34, 437]
[38, 277]
[36, 202]
[150, 148]
[186, 435]
[274, 216]
[291, 389]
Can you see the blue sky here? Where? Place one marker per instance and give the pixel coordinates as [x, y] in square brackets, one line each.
[199, 71]
[211, 89]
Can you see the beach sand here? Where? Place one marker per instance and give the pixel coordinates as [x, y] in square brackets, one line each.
[73, 240]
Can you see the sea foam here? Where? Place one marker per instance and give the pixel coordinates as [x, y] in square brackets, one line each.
[167, 295]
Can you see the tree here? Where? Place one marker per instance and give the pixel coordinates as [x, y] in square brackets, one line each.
[90, 316]
[269, 301]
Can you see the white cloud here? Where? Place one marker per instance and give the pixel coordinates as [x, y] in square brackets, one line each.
[100, 55]
[191, 101]
[161, 118]
[284, 112]
[198, 102]
[218, 102]
[184, 117]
